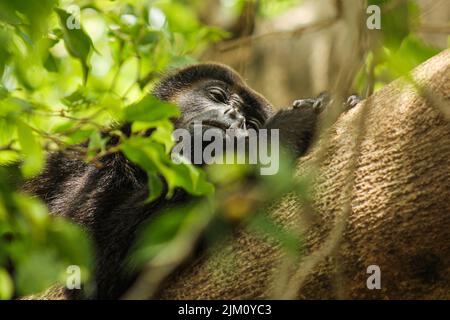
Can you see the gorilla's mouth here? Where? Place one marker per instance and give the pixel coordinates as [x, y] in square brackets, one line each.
[229, 130]
[216, 124]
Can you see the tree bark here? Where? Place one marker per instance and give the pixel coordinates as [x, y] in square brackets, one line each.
[382, 197]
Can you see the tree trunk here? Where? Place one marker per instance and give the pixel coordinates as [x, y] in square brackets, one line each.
[382, 198]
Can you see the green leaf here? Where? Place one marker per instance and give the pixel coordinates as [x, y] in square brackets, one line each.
[79, 136]
[150, 109]
[34, 210]
[412, 52]
[63, 126]
[80, 98]
[97, 144]
[37, 271]
[12, 107]
[72, 243]
[397, 23]
[31, 149]
[163, 135]
[190, 178]
[4, 50]
[156, 234]
[263, 224]
[77, 42]
[155, 187]
[152, 158]
[180, 18]
[6, 285]
[138, 156]
[167, 230]
[150, 37]
[8, 14]
[32, 16]
[3, 92]
[51, 63]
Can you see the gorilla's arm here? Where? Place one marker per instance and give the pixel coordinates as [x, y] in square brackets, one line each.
[296, 128]
[297, 125]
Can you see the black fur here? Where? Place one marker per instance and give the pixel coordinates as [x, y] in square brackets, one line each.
[296, 129]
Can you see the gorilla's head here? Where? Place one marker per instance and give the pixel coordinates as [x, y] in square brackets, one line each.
[214, 95]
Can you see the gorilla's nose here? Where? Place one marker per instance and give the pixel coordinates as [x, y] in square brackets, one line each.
[236, 119]
[238, 122]
[240, 119]
[232, 113]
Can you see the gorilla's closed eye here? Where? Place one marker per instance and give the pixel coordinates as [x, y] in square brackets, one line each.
[218, 94]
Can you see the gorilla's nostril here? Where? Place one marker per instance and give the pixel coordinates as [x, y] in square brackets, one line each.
[243, 125]
[241, 121]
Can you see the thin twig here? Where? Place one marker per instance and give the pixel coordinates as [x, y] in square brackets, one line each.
[9, 147]
[313, 27]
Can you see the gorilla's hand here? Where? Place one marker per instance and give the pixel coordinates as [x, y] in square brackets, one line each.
[352, 101]
[323, 100]
[318, 104]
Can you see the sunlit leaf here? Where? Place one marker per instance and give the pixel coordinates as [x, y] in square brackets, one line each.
[150, 109]
[37, 271]
[6, 285]
[397, 21]
[31, 149]
[32, 16]
[72, 243]
[138, 156]
[79, 136]
[166, 231]
[141, 158]
[163, 134]
[77, 42]
[33, 209]
[400, 62]
[97, 144]
[51, 64]
[155, 186]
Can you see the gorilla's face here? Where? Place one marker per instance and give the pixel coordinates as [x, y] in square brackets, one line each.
[215, 104]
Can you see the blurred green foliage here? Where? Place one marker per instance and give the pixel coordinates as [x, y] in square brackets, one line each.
[266, 8]
[397, 49]
[68, 71]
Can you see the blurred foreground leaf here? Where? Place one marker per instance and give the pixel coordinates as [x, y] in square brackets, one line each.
[31, 149]
[77, 42]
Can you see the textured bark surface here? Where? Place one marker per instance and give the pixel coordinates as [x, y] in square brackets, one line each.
[399, 216]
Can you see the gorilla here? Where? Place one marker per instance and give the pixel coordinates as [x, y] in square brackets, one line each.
[109, 201]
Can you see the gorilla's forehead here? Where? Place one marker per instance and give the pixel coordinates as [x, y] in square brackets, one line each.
[205, 83]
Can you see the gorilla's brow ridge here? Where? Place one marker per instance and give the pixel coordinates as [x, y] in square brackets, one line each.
[179, 80]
